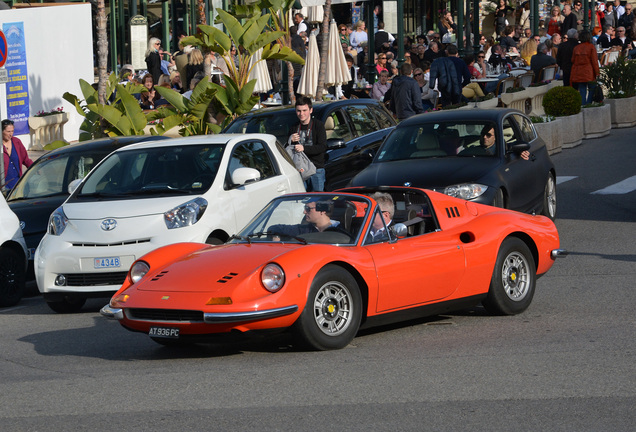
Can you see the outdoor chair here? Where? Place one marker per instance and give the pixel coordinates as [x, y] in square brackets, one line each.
[525, 80]
[548, 73]
[609, 57]
[504, 85]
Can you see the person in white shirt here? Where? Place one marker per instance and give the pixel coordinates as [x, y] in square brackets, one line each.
[299, 19]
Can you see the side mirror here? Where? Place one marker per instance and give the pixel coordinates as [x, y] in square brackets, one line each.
[242, 176]
[73, 185]
[519, 148]
[400, 230]
[335, 143]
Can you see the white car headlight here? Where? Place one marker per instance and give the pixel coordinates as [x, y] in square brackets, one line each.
[186, 214]
[57, 222]
[466, 191]
[138, 270]
[272, 277]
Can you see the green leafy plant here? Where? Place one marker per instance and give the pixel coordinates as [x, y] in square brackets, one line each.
[122, 116]
[515, 89]
[455, 106]
[562, 101]
[619, 78]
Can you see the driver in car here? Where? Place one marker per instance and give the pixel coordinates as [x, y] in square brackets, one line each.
[318, 216]
[487, 140]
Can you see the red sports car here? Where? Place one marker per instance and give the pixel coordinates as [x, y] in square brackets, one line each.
[326, 264]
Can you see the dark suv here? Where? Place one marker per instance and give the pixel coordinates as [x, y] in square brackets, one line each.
[355, 130]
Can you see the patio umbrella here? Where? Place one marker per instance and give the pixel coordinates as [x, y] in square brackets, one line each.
[309, 75]
[337, 70]
[314, 13]
[260, 73]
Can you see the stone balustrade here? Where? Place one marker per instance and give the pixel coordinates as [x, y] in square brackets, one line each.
[46, 129]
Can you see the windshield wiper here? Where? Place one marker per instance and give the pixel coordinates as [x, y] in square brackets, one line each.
[279, 234]
[157, 189]
[238, 237]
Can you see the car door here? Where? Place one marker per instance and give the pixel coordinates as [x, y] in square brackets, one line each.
[362, 119]
[416, 270]
[522, 178]
[248, 199]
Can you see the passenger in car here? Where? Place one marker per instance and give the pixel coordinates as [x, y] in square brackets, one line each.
[383, 218]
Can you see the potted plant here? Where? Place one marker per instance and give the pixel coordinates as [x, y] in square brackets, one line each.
[597, 120]
[619, 81]
[549, 129]
[46, 127]
[565, 103]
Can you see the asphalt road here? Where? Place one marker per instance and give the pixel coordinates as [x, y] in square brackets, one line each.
[566, 364]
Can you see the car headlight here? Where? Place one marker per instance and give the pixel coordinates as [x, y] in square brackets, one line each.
[272, 277]
[138, 270]
[57, 222]
[467, 191]
[186, 214]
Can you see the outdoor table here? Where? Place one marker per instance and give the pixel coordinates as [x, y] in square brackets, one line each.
[485, 80]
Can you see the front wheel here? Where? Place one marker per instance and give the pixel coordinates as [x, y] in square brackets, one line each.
[549, 198]
[513, 279]
[12, 276]
[498, 200]
[333, 312]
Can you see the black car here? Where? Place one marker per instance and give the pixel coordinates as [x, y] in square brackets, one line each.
[355, 129]
[44, 186]
[448, 151]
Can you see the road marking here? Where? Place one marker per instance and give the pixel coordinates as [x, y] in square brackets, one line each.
[563, 179]
[623, 187]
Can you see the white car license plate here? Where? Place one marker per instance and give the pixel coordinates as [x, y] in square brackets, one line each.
[107, 262]
[164, 332]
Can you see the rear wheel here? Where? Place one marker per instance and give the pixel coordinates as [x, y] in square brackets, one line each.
[214, 241]
[12, 276]
[513, 279]
[68, 304]
[333, 312]
[549, 198]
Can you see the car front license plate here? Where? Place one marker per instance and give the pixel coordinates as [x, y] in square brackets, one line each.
[106, 262]
[164, 332]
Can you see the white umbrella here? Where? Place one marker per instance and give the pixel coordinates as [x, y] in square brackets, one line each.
[314, 13]
[309, 76]
[337, 69]
[258, 71]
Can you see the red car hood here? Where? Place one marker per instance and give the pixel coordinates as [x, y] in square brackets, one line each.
[215, 269]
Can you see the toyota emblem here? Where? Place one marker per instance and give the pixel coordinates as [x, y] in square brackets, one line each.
[109, 224]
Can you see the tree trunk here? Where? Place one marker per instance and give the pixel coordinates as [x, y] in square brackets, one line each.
[324, 49]
[102, 52]
[290, 83]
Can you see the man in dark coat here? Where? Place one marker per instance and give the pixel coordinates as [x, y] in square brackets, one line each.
[564, 55]
[540, 60]
[444, 74]
[570, 20]
[406, 96]
[605, 39]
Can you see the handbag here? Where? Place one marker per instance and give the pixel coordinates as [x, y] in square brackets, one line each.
[305, 167]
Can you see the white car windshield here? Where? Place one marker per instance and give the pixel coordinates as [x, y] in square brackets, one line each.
[157, 171]
[319, 218]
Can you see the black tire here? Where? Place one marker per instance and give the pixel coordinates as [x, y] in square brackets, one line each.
[67, 305]
[12, 276]
[513, 279]
[214, 241]
[498, 200]
[333, 312]
[550, 198]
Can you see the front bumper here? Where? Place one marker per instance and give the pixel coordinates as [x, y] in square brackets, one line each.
[218, 318]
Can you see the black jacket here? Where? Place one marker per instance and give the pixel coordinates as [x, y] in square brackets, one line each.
[316, 151]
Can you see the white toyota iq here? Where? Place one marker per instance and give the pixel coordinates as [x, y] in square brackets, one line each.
[147, 195]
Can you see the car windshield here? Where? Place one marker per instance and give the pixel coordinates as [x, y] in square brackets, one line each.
[51, 175]
[312, 218]
[277, 123]
[439, 140]
[151, 172]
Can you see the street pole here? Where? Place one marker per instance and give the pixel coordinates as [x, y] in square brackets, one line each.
[370, 44]
[400, 25]
[460, 27]
[476, 27]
